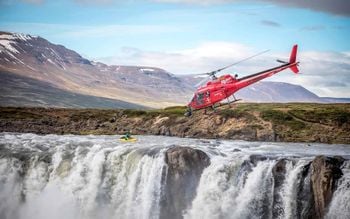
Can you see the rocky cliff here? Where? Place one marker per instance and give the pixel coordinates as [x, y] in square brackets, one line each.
[252, 122]
[185, 167]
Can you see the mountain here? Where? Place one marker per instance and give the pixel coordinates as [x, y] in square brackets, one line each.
[18, 90]
[266, 91]
[36, 72]
[36, 58]
[335, 100]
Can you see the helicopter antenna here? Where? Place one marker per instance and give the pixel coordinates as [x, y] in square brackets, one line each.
[212, 73]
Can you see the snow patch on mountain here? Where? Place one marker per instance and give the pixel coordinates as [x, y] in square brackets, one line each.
[17, 36]
[7, 45]
[146, 69]
[8, 41]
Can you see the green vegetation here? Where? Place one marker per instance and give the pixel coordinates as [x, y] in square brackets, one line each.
[134, 113]
[18, 114]
[174, 111]
[238, 113]
[282, 118]
[293, 122]
[326, 116]
[86, 114]
[295, 114]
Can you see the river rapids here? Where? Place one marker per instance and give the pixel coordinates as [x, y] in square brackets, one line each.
[88, 177]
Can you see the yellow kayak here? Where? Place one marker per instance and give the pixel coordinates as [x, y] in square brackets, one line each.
[128, 140]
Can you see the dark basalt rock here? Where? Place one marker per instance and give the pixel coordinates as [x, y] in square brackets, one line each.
[304, 194]
[253, 160]
[278, 173]
[248, 165]
[185, 167]
[247, 133]
[325, 171]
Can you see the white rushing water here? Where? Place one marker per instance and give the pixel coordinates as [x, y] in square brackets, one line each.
[78, 177]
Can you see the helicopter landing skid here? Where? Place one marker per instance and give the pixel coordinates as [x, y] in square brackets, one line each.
[229, 103]
[214, 108]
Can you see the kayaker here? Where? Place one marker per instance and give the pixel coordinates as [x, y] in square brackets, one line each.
[127, 136]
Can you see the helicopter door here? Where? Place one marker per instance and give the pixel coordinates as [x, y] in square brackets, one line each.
[207, 97]
[218, 95]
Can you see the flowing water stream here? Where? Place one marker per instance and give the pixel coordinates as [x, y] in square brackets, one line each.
[76, 177]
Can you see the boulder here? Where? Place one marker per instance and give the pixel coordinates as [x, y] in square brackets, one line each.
[304, 193]
[185, 167]
[325, 171]
[278, 173]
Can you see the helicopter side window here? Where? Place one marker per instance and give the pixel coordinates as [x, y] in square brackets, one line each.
[200, 98]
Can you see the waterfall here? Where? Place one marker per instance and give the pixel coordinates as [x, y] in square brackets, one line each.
[82, 181]
[340, 205]
[88, 177]
[229, 190]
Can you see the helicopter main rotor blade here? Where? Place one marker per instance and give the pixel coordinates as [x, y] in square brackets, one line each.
[243, 60]
[212, 73]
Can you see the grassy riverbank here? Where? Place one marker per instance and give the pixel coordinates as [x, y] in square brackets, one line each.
[292, 122]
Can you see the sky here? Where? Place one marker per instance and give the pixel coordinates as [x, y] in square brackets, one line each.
[195, 36]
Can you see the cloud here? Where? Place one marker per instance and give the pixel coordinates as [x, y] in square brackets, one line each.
[201, 2]
[80, 2]
[93, 2]
[338, 7]
[205, 57]
[33, 1]
[325, 73]
[95, 31]
[314, 28]
[270, 23]
[334, 84]
[9, 2]
[118, 30]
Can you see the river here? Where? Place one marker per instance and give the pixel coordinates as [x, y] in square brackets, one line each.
[78, 177]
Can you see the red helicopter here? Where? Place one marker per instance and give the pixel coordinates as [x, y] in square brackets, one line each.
[220, 88]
